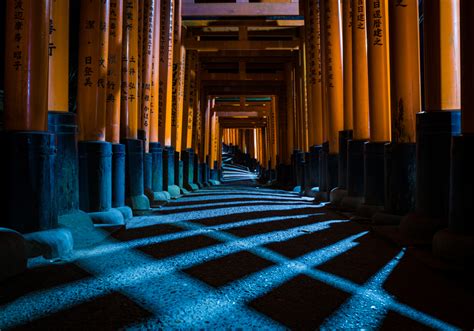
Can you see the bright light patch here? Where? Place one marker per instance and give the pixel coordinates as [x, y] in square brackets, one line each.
[179, 301]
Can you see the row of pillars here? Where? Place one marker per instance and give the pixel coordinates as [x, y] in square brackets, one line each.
[370, 141]
[131, 142]
[253, 142]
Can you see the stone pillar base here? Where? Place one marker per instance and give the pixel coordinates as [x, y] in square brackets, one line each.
[350, 203]
[418, 229]
[383, 218]
[13, 256]
[355, 168]
[169, 172]
[83, 230]
[157, 199]
[323, 169]
[367, 211]
[136, 198]
[400, 178]
[51, 244]
[344, 137]
[112, 217]
[337, 195]
[374, 173]
[434, 132]
[454, 246]
[29, 181]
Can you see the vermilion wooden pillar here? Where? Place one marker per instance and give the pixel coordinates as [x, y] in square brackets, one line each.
[95, 154]
[179, 66]
[457, 242]
[114, 72]
[165, 71]
[60, 121]
[334, 84]
[379, 92]
[290, 119]
[29, 148]
[165, 109]
[405, 103]
[355, 167]
[189, 103]
[146, 70]
[128, 105]
[130, 118]
[58, 51]
[440, 120]
[155, 91]
[346, 134]
[315, 87]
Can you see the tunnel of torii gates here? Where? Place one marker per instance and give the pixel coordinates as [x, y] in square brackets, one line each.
[113, 107]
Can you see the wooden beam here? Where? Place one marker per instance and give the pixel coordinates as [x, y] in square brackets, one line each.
[206, 76]
[249, 55]
[242, 45]
[243, 33]
[240, 9]
[240, 114]
[239, 109]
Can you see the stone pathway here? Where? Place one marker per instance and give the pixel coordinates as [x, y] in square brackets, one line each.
[238, 257]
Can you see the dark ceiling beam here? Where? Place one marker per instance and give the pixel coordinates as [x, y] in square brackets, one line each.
[191, 9]
[247, 45]
[206, 76]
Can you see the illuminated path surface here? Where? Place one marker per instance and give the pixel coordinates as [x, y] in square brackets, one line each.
[238, 257]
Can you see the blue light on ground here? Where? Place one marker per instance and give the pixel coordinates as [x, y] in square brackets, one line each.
[177, 300]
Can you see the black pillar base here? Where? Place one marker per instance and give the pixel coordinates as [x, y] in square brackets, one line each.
[63, 126]
[355, 168]
[307, 173]
[214, 176]
[457, 242]
[400, 177]
[344, 137]
[168, 172]
[314, 165]
[374, 173]
[461, 198]
[284, 175]
[205, 171]
[198, 172]
[66, 193]
[147, 172]
[298, 166]
[294, 168]
[333, 173]
[118, 175]
[95, 182]
[118, 181]
[400, 182]
[434, 131]
[188, 170]
[29, 183]
[157, 195]
[178, 173]
[323, 168]
[135, 189]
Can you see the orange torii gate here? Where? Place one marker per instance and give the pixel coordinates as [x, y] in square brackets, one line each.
[360, 93]
[29, 145]
[332, 49]
[440, 120]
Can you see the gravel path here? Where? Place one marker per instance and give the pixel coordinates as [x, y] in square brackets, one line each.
[239, 257]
